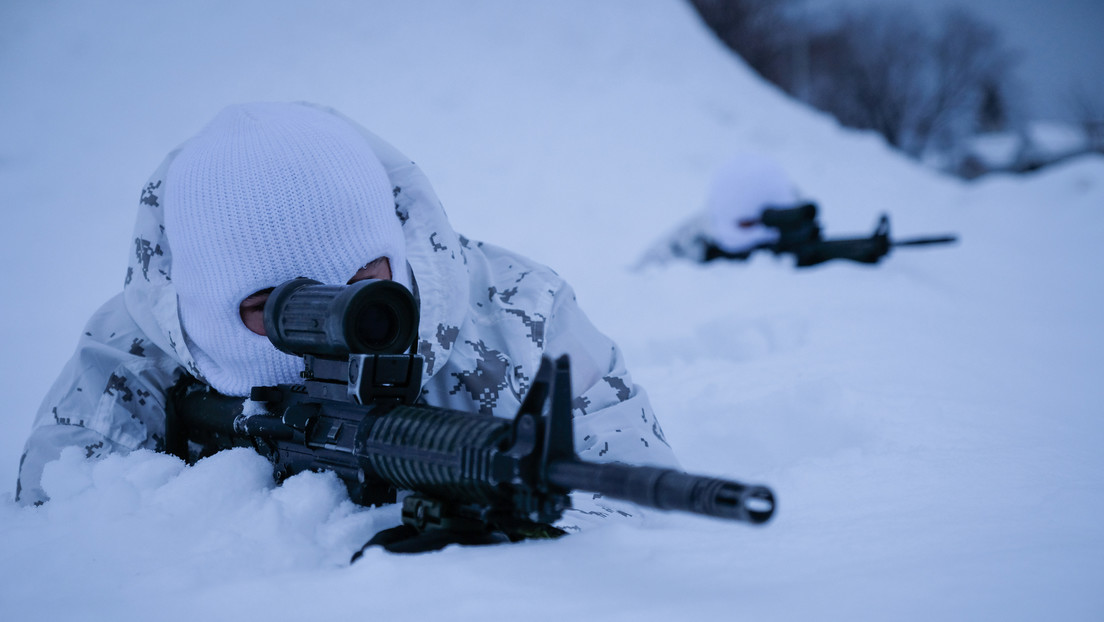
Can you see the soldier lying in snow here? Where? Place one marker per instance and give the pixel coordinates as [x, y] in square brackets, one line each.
[268, 192]
[753, 206]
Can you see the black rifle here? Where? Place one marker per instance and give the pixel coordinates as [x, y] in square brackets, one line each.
[799, 234]
[474, 478]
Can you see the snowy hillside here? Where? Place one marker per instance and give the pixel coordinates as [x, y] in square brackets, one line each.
[931, 426]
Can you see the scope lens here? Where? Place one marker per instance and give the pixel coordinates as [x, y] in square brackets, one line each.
[377, 326]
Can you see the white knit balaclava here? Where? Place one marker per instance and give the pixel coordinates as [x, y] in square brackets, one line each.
[265, 193]
[742, 187]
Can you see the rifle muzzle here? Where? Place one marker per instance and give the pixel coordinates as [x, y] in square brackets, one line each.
[667, 489]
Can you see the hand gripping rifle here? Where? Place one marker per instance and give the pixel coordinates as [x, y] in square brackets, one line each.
[799, 234]
[472, 478]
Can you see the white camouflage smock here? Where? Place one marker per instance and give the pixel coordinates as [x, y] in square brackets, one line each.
[487, 316]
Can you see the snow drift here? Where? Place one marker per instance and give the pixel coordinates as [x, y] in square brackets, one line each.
[931, 425]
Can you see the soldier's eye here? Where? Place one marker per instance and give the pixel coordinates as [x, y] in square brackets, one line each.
[251, 310]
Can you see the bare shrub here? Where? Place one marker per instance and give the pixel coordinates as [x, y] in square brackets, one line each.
[761, 31]
[920, 88]
[1087, 107]
[883, 68]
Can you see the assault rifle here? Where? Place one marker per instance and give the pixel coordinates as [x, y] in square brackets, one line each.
[473, 478]
[799, 234]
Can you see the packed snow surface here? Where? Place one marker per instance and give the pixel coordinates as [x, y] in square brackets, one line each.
[932, 425]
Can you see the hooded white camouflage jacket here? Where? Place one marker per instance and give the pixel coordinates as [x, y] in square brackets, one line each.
[487, 317]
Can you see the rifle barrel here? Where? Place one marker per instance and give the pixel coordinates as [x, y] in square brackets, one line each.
[666, 489]
[943, 239]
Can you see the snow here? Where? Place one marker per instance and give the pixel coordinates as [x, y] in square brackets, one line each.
[930, 425]
[1050, 139]
[997, 150]
[1040, 141]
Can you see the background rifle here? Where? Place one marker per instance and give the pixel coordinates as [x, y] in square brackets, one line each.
[799, 234]
[474, 478]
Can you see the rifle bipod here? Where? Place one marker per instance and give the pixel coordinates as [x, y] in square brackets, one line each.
[430, 525]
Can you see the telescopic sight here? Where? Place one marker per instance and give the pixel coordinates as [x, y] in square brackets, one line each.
[303, 316]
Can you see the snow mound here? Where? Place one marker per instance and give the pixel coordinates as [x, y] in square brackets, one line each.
[930, 425]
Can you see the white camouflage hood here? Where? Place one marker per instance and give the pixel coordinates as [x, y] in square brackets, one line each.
[434, 254]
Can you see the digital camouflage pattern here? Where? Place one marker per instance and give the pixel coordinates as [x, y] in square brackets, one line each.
[487, 317]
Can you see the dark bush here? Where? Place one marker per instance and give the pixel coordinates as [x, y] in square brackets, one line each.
[926, 88]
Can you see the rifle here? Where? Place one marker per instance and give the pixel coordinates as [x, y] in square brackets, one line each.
[473, 478]
[799, 233]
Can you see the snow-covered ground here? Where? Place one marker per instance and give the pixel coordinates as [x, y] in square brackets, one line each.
[1040, 143]
[932, 426]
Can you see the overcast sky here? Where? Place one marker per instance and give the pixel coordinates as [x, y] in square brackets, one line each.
[1062, 42]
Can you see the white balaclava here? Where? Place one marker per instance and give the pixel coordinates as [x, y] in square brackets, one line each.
[265, 193]
[742, 187]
